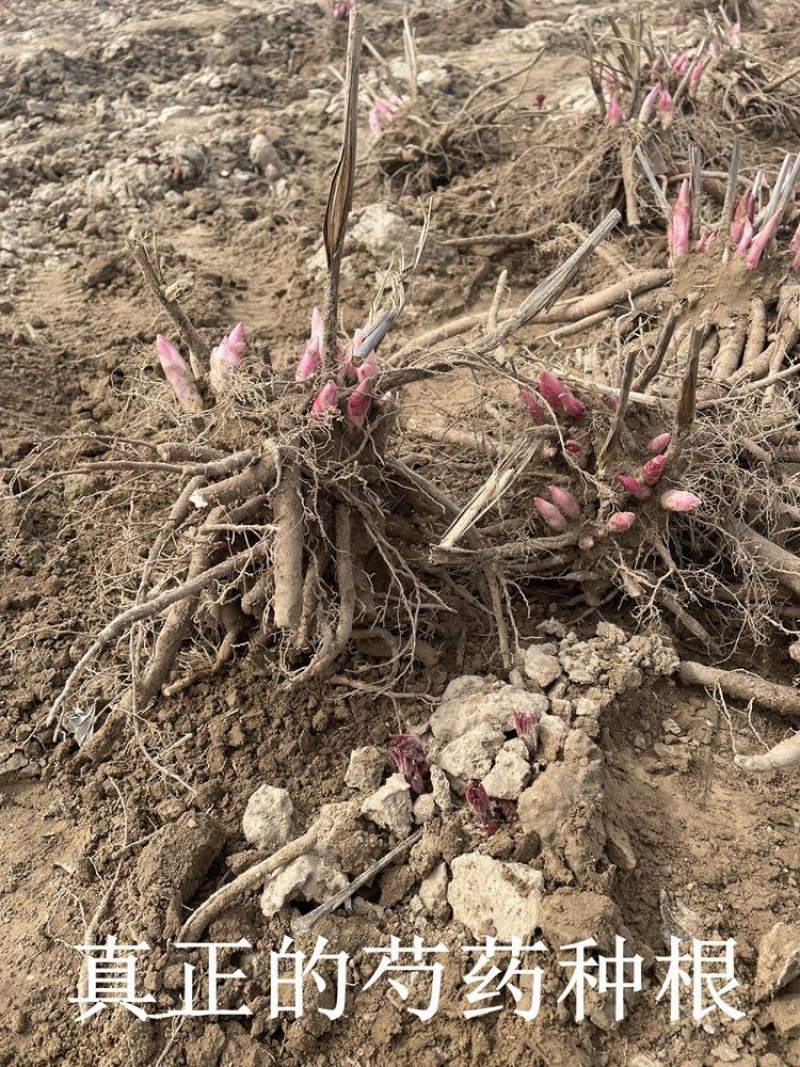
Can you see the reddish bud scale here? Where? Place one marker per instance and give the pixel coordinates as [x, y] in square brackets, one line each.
[478, 799]
[409, 757]
[621, 521]
[652, 470]
[564, 501]
[633, 486]
[525, 725]
[679, 500]
[660, 444]
[550, 513]
[534, 407]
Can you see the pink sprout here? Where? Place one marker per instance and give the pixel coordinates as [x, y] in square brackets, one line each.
[735, 35]
[622, 521]
[678, 500]
[550, 513]
[614, 112]
[681, 221]
[648, 104]
[179, 375]
[368, 368]
[665, 109]
[761, 241]
[574, 449]
[358, 404]
[564, 501]
[558, 396]
[745, 210]
[652, 470]
[478, 799]
[325, 403]
[340, 9]
[409, 757]
[745, 239]
[660, 443]
[633, 486]
[538, 101]
[697, 74]
[228, 355]
[794, 248]
[525, 724]
[382, 113]
[312, 357]
[533, 406]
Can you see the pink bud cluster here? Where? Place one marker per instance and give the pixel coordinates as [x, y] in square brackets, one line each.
[641, 487]
[340, 9]
[558, 396]
[326, 403]
[409, 757]
[564, 506]
[382, 113]
[478, 799]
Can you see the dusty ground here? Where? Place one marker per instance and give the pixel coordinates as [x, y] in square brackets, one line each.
[115, 116]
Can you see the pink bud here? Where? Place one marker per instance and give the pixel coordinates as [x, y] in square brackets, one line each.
[745, 209]
[735, 35]
[621, 521]
[678, 500]
[665, 109]
[226, 358]
[533, 406]
[614, 112]
[369, 368]
[712, 48]
[660, 444]
[409, 757]
[551, 389]
[525, 723]
[648, 105]
[558, 396]
[653, 469]
[340, 9]
[550, 513]
[358, 404]
[574, 449]
[655, 66]
[681, 221]
[538, 101]
[478, 799]
[312, 357]
[745, 239]
[564, 501]
[325, 402]
[633, 486]
[178, 374]
[794, 248]
[761, 241]
[697, 74]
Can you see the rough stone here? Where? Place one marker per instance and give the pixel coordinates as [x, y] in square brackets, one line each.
[552, 733]
[471, 700]
[390, 806]
[471, 755]
[424, 808]
[509, 775]
[267, 819]
[541, 667]
[778, 959]
[433, 890]
[313, 877]
[365, 769]
[492, 897]
[440, 788]
[785, 1015]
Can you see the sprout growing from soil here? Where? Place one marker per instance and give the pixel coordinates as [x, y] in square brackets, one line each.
[525, 726]
[478, 799]
[409, 757]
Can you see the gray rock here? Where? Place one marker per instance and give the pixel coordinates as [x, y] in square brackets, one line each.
[433, 889]
[552, 733]
[492, 897]
[313, 877]
[509, 775]
[471, 700]
[471, 755]
[390, 806]
[440, 788]
[541, 667]
[365, 769]
[267, 819]
[424, 808]
[778, 959]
